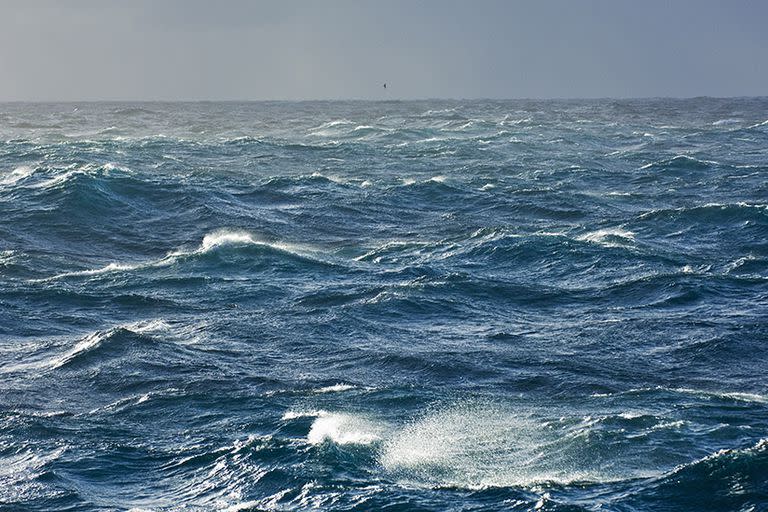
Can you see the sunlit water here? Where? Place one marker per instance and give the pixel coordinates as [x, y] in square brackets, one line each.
[434, 305]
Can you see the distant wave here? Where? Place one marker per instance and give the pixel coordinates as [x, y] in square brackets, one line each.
[681, 161]
[706, 209]
[71, 173]
[134, 111]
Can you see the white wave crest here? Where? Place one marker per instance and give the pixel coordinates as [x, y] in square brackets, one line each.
[344, 429]
[336, 388]
[222, 238]
[608, 237]
[86, 170]
[730, 395]
[16, 175]
[292, 415]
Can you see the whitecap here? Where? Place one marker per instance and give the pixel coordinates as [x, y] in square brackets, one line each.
[336, 388]
[608, 237]
[342, 429]
[292, 415]
[330, 128]
[731, 395]
[512, 122]
[7, 256]
[758, 125]
[330, 177]
[211, 242]
[224, 238]
[331, 124]
[18, 174]
[71, 172]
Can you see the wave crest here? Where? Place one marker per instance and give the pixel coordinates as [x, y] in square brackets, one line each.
[211, 243]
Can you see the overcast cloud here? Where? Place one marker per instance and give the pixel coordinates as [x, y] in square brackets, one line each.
[237, 49]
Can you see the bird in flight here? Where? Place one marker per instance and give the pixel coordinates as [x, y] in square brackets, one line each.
[385, 85]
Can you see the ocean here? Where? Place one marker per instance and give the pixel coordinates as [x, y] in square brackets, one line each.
[402, 306]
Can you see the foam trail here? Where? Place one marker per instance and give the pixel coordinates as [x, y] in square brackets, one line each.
[474, 445]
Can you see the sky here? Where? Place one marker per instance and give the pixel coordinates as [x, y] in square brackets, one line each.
[76, 50]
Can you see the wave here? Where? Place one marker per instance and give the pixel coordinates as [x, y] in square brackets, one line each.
[719, 395]
[682, 162]
[18, 174]
[134, 111]
[72, 173]
[476, 446]
[479, 444]
[24, 470]
[211, 243]
[721, 459]
[98, 339]
[749, 265]
[726, 122]
[728, 479]
[709, 211]
[758, 125]
[609, 237]
[335, 388]
[339, 428]
[242, 140]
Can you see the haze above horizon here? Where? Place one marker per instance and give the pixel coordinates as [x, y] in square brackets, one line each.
[240, 50]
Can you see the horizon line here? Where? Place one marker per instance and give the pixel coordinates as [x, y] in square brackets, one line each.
[385, 100]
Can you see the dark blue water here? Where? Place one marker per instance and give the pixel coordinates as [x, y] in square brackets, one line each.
[507, 305]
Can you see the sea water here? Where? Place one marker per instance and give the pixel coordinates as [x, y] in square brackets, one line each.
[428, 305]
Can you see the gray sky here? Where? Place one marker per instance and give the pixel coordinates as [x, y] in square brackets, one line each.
[335, 49]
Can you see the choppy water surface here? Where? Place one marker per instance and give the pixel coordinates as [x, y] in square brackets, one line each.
[507, 305]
